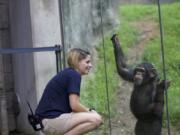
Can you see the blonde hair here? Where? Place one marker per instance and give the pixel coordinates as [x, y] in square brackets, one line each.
[75, 55]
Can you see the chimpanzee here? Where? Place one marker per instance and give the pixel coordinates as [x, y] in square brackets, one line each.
[147, 98]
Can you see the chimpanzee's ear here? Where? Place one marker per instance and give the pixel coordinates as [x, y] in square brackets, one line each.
[152, 73]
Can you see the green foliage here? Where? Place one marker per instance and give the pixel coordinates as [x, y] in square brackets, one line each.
[137, 12]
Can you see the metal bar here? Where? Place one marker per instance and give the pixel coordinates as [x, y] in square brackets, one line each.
[105, 66]
[57, 62]
[29, 50]
[164, 67]
[56, 48]
[58, 58]
[61, 13]
[60, 63]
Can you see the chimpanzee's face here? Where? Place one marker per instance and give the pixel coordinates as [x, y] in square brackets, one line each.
[144, 73]
[139, 75]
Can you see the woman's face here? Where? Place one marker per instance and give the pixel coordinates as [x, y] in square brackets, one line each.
[85, 65]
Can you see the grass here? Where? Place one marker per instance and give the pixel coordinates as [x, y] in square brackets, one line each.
[94, 91]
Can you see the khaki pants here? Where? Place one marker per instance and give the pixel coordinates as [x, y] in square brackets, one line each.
[57, 126]
[67, 122]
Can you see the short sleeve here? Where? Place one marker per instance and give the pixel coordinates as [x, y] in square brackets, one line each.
[74, 82]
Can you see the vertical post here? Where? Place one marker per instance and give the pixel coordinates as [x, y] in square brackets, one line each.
[164, 67]
[105, 65]
[57, 65]
[58, 58]
[62, 31]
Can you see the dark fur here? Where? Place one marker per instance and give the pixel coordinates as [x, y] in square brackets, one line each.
[147, 98]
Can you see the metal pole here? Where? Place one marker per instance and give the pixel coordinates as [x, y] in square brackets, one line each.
[62, 31]
[29, 50]
[105, 66]
[164, 68]
[57, 62]
[58, 58]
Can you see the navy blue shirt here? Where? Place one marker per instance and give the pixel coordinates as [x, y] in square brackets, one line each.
[55, 99]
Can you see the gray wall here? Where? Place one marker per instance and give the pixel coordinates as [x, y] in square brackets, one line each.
[82, 21]
[45, 24]
[23, 64]
[34, 23]
[7, 118]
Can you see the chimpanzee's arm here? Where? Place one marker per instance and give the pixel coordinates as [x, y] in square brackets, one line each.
[159, 97]
[160, 90]
[123, 71]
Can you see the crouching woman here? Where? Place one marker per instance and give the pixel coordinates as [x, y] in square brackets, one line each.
[59, 108]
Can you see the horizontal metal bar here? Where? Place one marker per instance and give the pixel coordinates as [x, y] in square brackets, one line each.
[30, 50]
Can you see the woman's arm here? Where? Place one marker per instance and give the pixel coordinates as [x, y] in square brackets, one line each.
[75, 104]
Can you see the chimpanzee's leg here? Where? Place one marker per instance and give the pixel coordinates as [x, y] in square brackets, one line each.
[148, 128]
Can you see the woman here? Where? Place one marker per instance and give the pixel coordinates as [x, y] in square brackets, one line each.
[59, 108]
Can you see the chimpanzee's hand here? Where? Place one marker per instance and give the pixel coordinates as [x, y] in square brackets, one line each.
[115, 39]
[164, 84]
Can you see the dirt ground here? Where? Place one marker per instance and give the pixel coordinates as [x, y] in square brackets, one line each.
[124, 123]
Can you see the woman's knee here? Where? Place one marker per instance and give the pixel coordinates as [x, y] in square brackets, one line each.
[96, 119]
